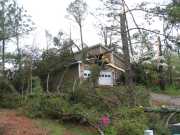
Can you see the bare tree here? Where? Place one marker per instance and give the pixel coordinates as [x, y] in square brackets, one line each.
[77, 9]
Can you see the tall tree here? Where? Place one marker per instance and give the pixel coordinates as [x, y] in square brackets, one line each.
[21, 23]
[77, 9]
[13, 23]
[117, 11]
[171, 24]
[5, 30]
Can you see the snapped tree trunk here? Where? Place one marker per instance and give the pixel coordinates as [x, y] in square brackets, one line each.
[125, 46]
[128, 73]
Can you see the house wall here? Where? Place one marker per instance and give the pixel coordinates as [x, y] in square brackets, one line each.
[118, 62]
[105, 69]
[94, 51]
[108, 55]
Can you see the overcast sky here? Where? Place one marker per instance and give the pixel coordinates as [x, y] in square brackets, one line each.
[50, 15]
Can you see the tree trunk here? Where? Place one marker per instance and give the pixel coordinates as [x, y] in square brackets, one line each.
[125, 44]
[170, 76]
[128, 73]
[129, 38]
[160, 68]
[82, 44]
[30, 79]
[3, 41]
[59, 86]
[19, 54]
[3, 55]
[104, 31]
[81, 34]
[47, 83]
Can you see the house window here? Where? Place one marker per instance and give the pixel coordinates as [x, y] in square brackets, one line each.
[109, 75]
[88, 75]
[85, 74]
[102, 75]
[106, 76]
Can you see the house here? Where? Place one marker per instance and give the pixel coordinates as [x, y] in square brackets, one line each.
[111, 71]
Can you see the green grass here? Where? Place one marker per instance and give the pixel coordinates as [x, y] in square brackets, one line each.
[170, 90]
[56, 128]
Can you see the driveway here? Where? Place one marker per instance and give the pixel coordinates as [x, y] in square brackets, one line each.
[162, 99]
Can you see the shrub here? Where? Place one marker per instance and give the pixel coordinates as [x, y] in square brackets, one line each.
[131, 127]
[142, 96]
[9, 98]
[10, 101]
[44, 106]
[52, 107]
[110, 131]
[131, 121]
[32, 106]
[157, 124]
[36, 85]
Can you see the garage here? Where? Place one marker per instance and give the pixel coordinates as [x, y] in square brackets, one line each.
[106, 78]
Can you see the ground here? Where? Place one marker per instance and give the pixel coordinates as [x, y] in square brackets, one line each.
[163, 99]
[13, 123]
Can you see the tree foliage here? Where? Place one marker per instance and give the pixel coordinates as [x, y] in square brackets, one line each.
[78, 9]
[173, 11]
[14, 22]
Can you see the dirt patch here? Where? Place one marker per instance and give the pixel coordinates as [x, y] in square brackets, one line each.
[162, 99]
[13, 124]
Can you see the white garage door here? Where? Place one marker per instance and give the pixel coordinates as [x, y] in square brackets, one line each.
[106, 78]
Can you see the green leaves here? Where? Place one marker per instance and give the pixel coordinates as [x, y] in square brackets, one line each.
[13, 19]
[77, 9]
[173, 12]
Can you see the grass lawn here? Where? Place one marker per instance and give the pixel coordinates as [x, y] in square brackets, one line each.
[56, 128]
[170, 90]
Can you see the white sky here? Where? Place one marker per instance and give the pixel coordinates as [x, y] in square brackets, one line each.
[50, 15]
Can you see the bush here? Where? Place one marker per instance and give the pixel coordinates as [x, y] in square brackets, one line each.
[44, 106]
[157, 124]
[32, 106]
[131, 121]
[10, 101]
[142, 96]
[9, 98]
[110, 131]
[131, 127]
